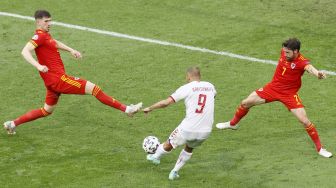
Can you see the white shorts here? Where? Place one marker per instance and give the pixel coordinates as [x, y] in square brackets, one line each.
[193, 139]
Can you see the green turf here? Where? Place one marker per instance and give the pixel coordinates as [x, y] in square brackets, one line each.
[86, 144]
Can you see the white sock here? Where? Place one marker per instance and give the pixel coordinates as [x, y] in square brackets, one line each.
[128, 108]
[160, 151]
[183, 158]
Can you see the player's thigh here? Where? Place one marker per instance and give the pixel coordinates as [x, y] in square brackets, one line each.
[253, 99]
[196, 139]
[194, 143]
[70, 85]
[49, 108]
[291, 101]
[301, 115]
[51, 98]
[188, 149]
[176, 139]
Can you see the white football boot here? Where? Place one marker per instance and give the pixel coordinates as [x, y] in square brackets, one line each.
[227, 125]
[173, 175]
[151, 158]
[132, 109]
[10, 127]
[324, 153]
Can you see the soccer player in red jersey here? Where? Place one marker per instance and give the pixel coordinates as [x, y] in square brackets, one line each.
[284, 87]
[57, 82]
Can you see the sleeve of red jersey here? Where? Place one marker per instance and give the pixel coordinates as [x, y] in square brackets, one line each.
[304, 63]
[38, 39]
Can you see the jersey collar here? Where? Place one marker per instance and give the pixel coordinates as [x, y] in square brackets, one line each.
[40, 31]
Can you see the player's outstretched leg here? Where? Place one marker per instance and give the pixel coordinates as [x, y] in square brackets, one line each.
[252, 100]
[181, 161]
[10, 126]
[301, 115]
[312, 132]
[96, 91]
[233, 124]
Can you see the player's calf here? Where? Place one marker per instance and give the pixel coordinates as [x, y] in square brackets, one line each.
[31, 115]
[10, 126]
[110, 101]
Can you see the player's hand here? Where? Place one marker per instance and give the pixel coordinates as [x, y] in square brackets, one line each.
[42, 68]
[147, 110]
[76, 54]
[321, 75]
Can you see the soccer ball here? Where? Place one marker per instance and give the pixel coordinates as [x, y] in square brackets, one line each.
[150, 144]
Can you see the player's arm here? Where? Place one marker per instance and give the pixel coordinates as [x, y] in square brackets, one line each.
[27, 55]
[160, 104]
[312, 70]
[64, 47]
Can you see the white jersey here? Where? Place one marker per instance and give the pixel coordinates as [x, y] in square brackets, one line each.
[199, 99]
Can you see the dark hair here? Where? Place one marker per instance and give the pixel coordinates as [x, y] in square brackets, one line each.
[39, 14]
[292, 44]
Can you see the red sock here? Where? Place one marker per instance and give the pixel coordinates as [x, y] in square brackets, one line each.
[314, 136]
[105, 99]
[30, 116]
[240, 113]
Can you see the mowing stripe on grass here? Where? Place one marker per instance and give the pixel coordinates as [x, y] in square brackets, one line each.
[165, 43]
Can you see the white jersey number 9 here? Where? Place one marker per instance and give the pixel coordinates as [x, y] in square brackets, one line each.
[201, 103]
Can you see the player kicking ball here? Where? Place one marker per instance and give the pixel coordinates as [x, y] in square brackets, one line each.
[284, 87]
[196, 127]
[56, 81]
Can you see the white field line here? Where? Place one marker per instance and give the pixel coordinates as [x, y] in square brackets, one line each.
[165, 43]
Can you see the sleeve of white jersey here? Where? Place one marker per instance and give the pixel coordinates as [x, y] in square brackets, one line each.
[180, 93]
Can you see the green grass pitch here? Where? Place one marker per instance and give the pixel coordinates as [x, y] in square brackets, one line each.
[86, 144]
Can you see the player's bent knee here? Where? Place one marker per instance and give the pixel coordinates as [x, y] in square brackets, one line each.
[246, 103]
[49, 109]
[45, 112]
[305, 122]
[188, 149]
[89, 88]
[167, 146]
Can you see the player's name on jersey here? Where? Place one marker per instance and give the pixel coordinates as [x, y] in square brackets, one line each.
[195, 89]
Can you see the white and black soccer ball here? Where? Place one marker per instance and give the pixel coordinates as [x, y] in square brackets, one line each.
[150, 144]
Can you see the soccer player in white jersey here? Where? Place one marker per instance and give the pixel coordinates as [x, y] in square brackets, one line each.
[196, 127]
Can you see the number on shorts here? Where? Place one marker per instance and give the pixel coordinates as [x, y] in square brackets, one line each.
[297, 99]
[201, 103]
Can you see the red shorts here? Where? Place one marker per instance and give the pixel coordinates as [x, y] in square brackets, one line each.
[66, 85]
[291, 101]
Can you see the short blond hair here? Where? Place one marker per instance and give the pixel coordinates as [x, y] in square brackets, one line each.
[194, 72]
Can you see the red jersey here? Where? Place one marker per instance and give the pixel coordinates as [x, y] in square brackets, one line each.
[287, 76]
[48, 55]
